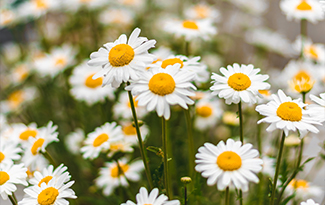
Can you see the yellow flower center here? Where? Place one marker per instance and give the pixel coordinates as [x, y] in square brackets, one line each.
[289, 111]
[229, 161]
[45, 179]
[2, 157]
[16, 98]
[4, 177]
[117, 171]
[302, 74]
[204, 111]
[116, 147]
[48, 196]
[27, 133]
[40, 4]
[162, 84]
[304, 6]
[60, 62]
[22, 72]
[100, 139]
[301, 86]
[201, 11]
[91, 83]
[120, 55]
[171, 61]
[190, 25]
[299, 184]
[129, 130]
[264, 92]
[37, 145]
[311, 50]
[239, 81]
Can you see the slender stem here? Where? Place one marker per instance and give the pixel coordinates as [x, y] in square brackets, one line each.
[187, 48]
[277, 169]
[12, 200]
[304, 97]
[13, 195]
[48, 157]
[164, 145]
[241, 135]
[142, 150]
[185, 194]
[260, 194]
[227, 198]
[303, 33]
[190, 141]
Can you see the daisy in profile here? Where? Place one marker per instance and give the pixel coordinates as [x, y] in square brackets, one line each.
[161, 87]
[120, 17]
[152, 198]
[114, 175]
[17, 99]
[317, 110]
[73, 141]
[312, 51]
[122, 59]
[10, 175]
[202, 11]
[100, 139]
[54, 192]
[303, 189]
[9, 151]
[310, 10]
[191, 29]
[85, 88]
[130, 133]
[288, 115]
[239, 83]
[309, 202]
[228, 165]
[230, 118]
[48, 174]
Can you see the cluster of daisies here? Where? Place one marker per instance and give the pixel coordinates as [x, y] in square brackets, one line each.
[23, 162]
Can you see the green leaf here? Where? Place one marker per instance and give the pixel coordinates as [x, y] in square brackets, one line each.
[286, 200]
[158, 151]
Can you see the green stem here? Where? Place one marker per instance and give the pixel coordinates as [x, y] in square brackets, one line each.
[227, 198]
[13, 195]
[190, 141]
[12, 200]
[164, 145]
[142, 150]
[185, 194]
[49, 158]
[304, 97]
[277, 169]
[241, 135]
[303, 33]
[260, 194]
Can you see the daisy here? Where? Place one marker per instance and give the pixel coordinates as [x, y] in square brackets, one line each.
[17, 99]
[207, 113]
[309, 202]
[286, 114]
[114, 175]
[310, 10]
[53, 192]
[312, 51]
[10, 175]
[230, 118]
[100, 139]
[7, 17]
[73, 141]
[239, 83]
[230, 164]
[36, 8]
[159, 88]
[9, 151]
[122, 60]
[268, 166]
[202, 11]
[20, 73]
[303, 189]
[85, 88]
[191, 29]
[130, 133]
[318, 110]
[120, 146]
[122, 108]
[21, 132]
[116, 16]
[152, 198]
[49, 174]
[256, 7]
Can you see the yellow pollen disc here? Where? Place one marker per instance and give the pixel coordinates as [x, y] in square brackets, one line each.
[116, 147]
[120, 55]
[115, 172]
[171, 61]
[37, 145]
[16, 98]
[304, 6]
[2, 157]
[162, 84]
[129, 130]
[60, 62]
[201, 11]
[229, 161]
[100, 139]
[91, 83]
[204, 111]
[22, 72]
[4, 177]
[302, 86]
[45, 179]
[265, 92]
[239, 81]
[289, 111]
[190, 25]
[299, 184]
[47, 196]
[312, 51]
[302, 75]
[40, 4]
[27, 133]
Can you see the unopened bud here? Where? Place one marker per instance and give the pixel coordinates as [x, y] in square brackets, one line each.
[186, 180]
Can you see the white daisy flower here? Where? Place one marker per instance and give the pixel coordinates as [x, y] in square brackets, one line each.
[122, 108]
[152, 198]
[56, 61]
[120, 146]
[303, 189]
[207, 113]
[48, 174]
[38, 165]
[36, 8]
[202, 11]
[85, 88]
[230, 118]
[17, 99]
[11, 51]
[53, 193]
[9, 151]
[230, 164]
[114, 175]
[312, 51]
[10, 175]
[116, 16]
[130, 133]
[309, 202]
[122, 60]
[73, 141]
[159, 88]
[239, 83]
[191, 29]
[7, 17]
[257, 7]
[19, 73]
[21, 132]
[268, 166]
[317, 110]
[286, 114]
[187, 64]
[310, 10]
[100, 139]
